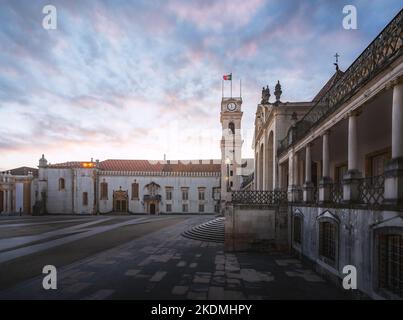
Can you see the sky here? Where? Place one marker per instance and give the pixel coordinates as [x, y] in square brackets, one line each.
[140, 79]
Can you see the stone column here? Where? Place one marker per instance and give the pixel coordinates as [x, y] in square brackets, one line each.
[255, 182]
[308, 188]
[290, 175]
[394, 169]
[325, 184]
[5, 201]
[352, 178]
[280, 177]
[293, 187]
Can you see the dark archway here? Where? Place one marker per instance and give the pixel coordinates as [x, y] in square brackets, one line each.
[152, 208]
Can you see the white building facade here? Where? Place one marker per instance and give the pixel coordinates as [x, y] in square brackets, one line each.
[336, 163]
[131, 187]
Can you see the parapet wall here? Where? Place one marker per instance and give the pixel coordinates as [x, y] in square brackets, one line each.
[256, 227]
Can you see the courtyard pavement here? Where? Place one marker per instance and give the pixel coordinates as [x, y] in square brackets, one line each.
[157, 263]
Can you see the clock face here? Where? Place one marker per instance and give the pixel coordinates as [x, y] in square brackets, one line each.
[231, 106]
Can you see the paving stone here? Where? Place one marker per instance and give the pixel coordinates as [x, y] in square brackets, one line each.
[157, 277]
[233, 275]
[180, 290]
[307, 275]
[218, 281]
[192, 295]
[233, 295]
[201, 279]
[181, 264]
[77, 287]
[132, 272]
[100, 294]
[216, 293]
[286, 262]
[193, 265]
[250, 275]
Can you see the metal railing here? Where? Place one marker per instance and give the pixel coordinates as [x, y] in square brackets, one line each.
[371, 190]
[380, 53]
[259, 197]
[336, 193]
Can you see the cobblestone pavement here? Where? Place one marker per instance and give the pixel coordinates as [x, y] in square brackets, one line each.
[165, 265]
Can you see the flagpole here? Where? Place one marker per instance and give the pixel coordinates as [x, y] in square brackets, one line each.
[240, 88]
[231, 84]
[222, 88]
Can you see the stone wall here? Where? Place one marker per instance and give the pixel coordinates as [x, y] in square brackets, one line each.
[356, 234]
[256, 228]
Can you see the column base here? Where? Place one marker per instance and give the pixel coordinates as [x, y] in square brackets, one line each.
[294, 193]
[308, 192]
[394, 182]
[325, 187]
[351, 183]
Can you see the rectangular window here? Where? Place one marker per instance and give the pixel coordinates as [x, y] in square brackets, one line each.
[168, 193]
[135, 191]
[85, 198]
[201, 194]
[201, 207]
[169, 207]
[375, 162]
[61, 184]
[327, 240]
[390, 259]
[340, 171]
[185, 207]
[297, 229]
[104, 191]
[185, 194]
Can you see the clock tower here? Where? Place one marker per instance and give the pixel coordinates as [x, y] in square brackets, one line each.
[231, 145]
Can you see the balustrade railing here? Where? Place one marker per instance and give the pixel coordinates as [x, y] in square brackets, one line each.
[371, 190]
[382, 51]
[259, 197]
[336, 193]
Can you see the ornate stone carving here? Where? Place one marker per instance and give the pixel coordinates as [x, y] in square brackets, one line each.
[277, 91]
[265, 95]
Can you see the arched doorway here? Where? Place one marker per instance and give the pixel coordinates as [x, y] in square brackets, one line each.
[152, 208]
[120, 200]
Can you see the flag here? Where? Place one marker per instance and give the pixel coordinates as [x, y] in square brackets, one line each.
[227, 77]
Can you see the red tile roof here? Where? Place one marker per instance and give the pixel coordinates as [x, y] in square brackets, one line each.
[155, 166]
[66, 165]
[145, 166]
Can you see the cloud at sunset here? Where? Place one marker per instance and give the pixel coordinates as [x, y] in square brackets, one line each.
[125, 79]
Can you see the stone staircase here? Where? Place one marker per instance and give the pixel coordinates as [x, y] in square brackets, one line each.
[210, 231]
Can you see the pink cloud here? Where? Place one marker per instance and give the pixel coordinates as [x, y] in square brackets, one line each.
[216, 14]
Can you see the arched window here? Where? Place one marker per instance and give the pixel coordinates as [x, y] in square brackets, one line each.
[231, 127]
[328, 241]
[61, 184]
[297, 229]
[104, 190]
[135, 191]
[390, 262]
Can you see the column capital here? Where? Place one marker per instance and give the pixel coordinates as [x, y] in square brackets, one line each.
[355, 112]
[325, 133]
[394, 82]
[310, 144]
